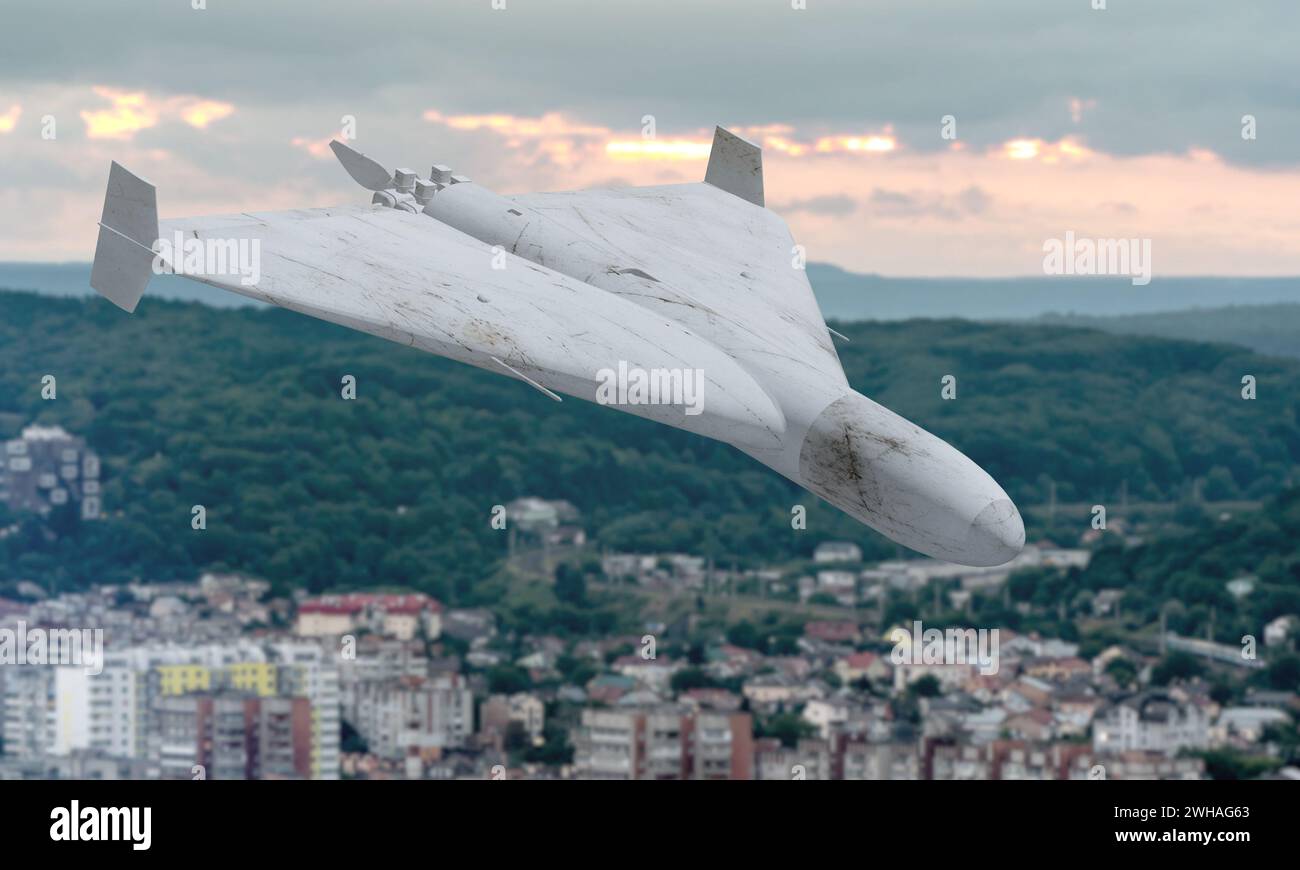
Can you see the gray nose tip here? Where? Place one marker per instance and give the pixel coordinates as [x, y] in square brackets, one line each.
[997, 535]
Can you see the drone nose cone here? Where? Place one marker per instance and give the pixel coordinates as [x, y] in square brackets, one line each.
[996, 536]
[908, 484]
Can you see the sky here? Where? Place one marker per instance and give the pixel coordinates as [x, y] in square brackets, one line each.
[1115, 123]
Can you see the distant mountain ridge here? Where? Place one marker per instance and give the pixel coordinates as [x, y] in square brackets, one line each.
[73, 279]
[1266, 329]
[849, 296]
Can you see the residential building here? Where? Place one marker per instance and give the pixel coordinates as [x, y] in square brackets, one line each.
[47, 468]
[1150, 721]
[413, 715]
[234, 736]
[810, 759]
[522, 708]
[397, 616]
[829, 552]
[663, 743]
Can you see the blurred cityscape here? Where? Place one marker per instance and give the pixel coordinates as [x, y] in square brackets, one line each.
[220, 678]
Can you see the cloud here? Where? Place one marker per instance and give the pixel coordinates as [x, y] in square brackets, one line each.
[971, 211]
[876, 143]
[1067, 148]
[538, 97]
[974, 200]
[318, 148]
[860, 65]
[659, 149]
[1079, 106]
[564, 140]
[549, 125]
[969, 202]
[552, 137]
[831, 205]
[201, 113]
[132, 111]
[9, 119]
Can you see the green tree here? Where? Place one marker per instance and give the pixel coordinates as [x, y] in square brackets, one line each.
[1122, 671]
[789, 728]
[570, 584]
[1284, 673]
[1176, 666]
[925, 687]
[508, 679]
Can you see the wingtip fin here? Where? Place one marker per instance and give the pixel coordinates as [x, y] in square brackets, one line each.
[365, 171]
[736, 166]
[128, 228]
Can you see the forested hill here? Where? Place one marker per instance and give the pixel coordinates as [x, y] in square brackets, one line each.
[1270, 329]
[1192, 569]
[239, 410]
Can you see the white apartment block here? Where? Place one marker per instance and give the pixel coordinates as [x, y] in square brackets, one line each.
[1150, 722]
[309, 671]
[64, 710]
[411, 714]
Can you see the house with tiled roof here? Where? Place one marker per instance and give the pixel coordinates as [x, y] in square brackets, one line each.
[399, 616]
[863, 665]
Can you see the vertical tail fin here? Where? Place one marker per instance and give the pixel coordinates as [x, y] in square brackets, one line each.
[736, 166]
[127, 231]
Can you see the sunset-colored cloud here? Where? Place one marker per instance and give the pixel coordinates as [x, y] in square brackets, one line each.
[9, 119]
[785, 146]
[868, 143]
[863, 196]
[1067, 148]
[865, 200]
[130, 112]
[552, 137]
[659, 149]
[550, 124]
[201, 113]
[318, 148]
[980, 212]
[564, 140]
